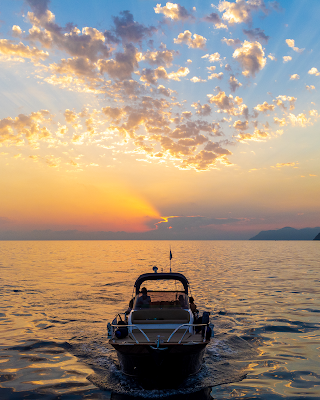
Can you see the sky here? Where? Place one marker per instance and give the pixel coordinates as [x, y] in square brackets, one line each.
[147, 120]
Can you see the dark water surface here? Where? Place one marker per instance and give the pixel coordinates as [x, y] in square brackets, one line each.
[57, 297]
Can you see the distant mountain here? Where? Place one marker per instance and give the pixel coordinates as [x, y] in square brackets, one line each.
[317, 237]
[288, 233]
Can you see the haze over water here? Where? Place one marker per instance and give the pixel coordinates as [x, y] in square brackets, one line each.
[57, 298]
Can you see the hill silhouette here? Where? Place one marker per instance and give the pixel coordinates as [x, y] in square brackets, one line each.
[317, 237]
[288, 233]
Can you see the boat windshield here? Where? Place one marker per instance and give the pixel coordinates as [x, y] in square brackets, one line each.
[161, 299]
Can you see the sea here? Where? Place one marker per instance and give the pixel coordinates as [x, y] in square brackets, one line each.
[57, 297]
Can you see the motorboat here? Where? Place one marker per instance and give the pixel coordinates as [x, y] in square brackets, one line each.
[160, 340]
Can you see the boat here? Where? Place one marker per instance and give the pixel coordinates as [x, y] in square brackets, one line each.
[160, 340]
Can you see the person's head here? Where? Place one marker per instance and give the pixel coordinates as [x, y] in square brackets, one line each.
[191, 300]
[144, 291]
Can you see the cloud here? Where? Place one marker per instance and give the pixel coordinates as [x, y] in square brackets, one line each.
[163, 58]
[10, 49]
[198, 41]
[241, 125]
[217, 76]
[290, 43]
[256, 34]
[175, 12]
[251, 57]
[288, 164]
[88, 43]
[204, 110]
[286, 59]
[311, 87]
[314, 71]
[181, 72]
[213, 57]
[16, 31]
[282, 98]
[294, 77]
[240, 11]
[195, 79]
[234, 83]
[14, 131]
[258, 136]
[299, 120]
[235, 43]
[129, 30]
[224, 102]
[265, 107]
[122, 66]
[39, 7]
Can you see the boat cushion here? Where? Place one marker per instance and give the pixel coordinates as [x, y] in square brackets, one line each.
[160, 316]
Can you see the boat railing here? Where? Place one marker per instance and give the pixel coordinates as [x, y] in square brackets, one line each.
[187, 325]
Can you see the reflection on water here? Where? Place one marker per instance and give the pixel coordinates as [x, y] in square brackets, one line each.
[57, 298]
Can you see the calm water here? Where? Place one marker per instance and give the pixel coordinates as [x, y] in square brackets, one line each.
[57, 298]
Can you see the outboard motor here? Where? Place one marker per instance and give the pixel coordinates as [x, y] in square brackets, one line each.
[206, 329]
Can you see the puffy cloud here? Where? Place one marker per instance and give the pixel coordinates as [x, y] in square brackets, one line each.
[314, 71]
[122, 66]
[175, 12]
[216, 76]
[224, 102]
[299, 120]
[280, 122]
[232, 42]
[258, 136]
[16, 30]
[240, 11]
[13, 131]
[70, 116]
[311, 87]
[213, 57]
[272, 57]
[90, 43]
[265, 107]
[129, 30]
[286, 59]
[151, 76]
[241, 125]
[195, 79]
[290, 43]
[204, 161]
[256, 34]
[294, 77]
[234, 83]
[198, 41]
[204, 110]
[162, 58]
[39, 7]
[290, 99]
[10, 49]
[213, 17]
[251, 57]
[181, 72]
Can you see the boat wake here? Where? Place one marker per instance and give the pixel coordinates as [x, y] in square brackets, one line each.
[221, 365]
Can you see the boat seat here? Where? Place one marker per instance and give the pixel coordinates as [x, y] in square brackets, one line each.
[160, 316]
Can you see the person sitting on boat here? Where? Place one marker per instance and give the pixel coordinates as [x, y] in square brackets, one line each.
[144, 300]
[193, 307]
[130, 307]
[182, 301]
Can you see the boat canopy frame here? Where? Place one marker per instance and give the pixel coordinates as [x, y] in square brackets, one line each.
[162, 276]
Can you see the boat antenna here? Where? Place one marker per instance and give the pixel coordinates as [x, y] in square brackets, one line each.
[170, 257]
